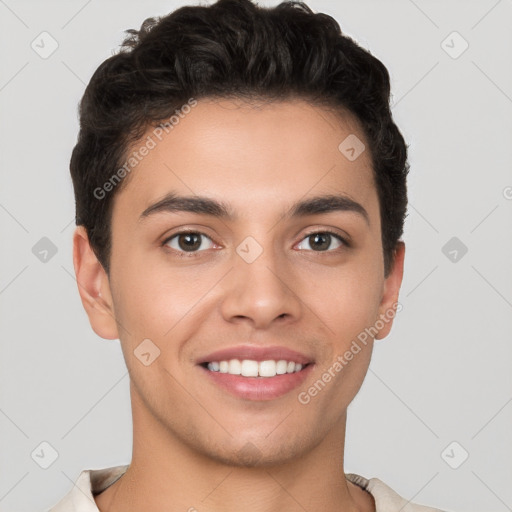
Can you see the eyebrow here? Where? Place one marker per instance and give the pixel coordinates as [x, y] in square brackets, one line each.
[173, 202]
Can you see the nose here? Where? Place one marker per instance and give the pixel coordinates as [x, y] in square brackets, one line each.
[261, 292]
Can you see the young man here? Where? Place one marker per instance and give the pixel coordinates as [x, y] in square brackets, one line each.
[240, 193]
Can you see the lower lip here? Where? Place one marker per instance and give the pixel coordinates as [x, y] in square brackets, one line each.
[259, 388]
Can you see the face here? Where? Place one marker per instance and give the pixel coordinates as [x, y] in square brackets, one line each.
[256, 266]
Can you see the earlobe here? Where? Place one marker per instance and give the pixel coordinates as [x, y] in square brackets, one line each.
[388, 305]
[93, 287]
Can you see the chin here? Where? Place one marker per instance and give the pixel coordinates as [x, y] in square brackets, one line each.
[259, 454]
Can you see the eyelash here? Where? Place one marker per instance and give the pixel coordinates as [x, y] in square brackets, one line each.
[189, 254]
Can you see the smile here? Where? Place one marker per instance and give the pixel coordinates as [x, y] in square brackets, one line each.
[256, 387]
[252, 368]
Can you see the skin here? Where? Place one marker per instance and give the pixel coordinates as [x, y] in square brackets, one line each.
[196, 447]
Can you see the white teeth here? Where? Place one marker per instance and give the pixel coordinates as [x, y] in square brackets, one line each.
[267, 369]
[251, 368]
[235, 367]
[282, 366]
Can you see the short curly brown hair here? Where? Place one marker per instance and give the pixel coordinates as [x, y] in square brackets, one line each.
[232, 49]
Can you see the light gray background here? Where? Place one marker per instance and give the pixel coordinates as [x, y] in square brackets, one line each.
[443, 374]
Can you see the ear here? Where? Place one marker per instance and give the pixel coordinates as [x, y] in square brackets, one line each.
[388, 306]
[94, 287]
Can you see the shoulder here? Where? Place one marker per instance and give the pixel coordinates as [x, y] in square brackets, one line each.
[89, 483]
[386, 499]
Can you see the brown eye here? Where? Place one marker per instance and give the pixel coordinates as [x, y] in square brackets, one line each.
[322, 241]
[189, 241]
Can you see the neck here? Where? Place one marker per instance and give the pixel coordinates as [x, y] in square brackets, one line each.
[168, 474]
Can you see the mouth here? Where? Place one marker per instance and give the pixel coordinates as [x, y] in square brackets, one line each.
[256, 373]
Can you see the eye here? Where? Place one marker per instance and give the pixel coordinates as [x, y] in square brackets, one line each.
[321, 240]
[187, 241]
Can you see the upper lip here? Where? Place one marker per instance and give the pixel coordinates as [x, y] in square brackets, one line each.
[256, 353]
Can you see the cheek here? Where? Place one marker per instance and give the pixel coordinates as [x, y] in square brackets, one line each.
[353, 310]
[350, 314]
[353, 297]
[158, 301]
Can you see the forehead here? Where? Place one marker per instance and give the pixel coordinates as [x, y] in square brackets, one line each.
[252, 155]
